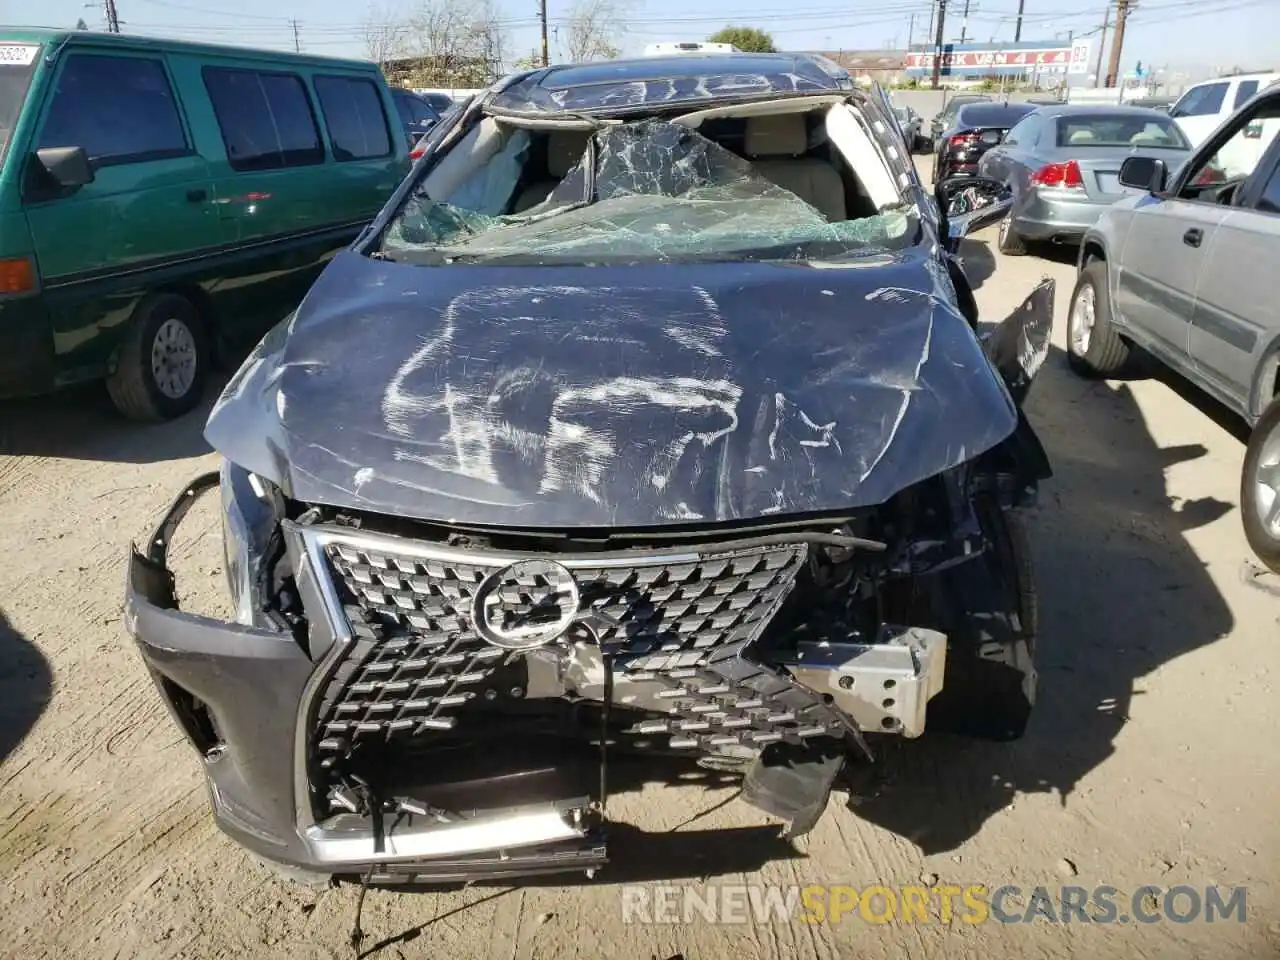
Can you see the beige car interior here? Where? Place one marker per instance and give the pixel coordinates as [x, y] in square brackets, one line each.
[825, 157]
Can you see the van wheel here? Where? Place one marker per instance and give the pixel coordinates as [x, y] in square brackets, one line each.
[163, 361]
[1260, 488]
[1094, 349]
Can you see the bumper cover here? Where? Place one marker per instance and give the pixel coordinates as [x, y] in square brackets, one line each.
[245, 697]
[236, 690]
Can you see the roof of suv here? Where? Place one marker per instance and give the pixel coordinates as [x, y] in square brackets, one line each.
[646, 82]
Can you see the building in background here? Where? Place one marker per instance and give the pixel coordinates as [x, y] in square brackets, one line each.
[1040, 62]
[886, 67]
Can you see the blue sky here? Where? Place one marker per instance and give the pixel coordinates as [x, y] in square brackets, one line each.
[1184, 34]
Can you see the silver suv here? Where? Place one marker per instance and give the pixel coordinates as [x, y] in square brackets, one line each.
[1186, 269]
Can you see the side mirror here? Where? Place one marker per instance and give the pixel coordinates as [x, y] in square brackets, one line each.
[66, 167]
[967, 204]
[1143, 173]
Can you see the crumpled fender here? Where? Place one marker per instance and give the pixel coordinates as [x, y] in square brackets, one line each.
[1019, 344]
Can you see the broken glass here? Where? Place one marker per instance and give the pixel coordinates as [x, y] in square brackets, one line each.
[659, 192]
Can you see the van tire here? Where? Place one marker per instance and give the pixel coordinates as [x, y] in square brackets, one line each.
[165, 330]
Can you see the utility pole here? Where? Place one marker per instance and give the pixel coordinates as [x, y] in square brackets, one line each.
[1099, 78]
[1017, 27]
[542, 17]
[933, 5]
[297, 44]
[911, 30]
[1117, 45]
[113, 19]
[937, 42]
[964, 24]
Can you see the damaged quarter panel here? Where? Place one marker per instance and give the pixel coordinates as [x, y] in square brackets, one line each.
[628, 396]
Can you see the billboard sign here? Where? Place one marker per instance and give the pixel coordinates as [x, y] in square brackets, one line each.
[975, 60]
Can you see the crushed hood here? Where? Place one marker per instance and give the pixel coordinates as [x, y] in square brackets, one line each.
[628, 396]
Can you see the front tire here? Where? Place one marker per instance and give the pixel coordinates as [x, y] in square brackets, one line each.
[1260, 488]
[163, 361]
[989, 686]
[1094, 349]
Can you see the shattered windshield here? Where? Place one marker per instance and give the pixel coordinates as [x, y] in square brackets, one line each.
[644, 191]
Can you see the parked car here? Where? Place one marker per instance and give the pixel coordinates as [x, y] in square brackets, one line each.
[947, 115]
[1184, 269]
[1063, 164]
[501, 545]
[417, 115]
[159, 198]
[441, 103]
[912, 125]
[977, 128]
[1204, 106]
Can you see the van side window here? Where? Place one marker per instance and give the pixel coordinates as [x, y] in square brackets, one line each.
[353, 112]
[1202, 101]
[119, 109]
[266, 118]
[1244, 91]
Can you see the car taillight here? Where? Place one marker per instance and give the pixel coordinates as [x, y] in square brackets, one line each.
[963, 140]
[1059, 175]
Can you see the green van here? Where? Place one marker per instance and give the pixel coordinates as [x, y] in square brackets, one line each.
[160, 200]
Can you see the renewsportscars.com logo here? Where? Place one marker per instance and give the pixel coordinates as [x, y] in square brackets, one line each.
[972, 904]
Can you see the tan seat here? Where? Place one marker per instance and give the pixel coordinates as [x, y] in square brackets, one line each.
[564, 150]
[776, 144]
[1083, 135]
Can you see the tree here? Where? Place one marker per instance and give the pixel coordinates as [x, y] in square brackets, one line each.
[385, 35]
[593, 29]
[747, 39]
[81, 25]
[443, 43]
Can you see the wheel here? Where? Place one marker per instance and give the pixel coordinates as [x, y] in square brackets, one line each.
[989, 685]
[1260, 488]
[1009, 243]
[163, 360]
[1094, 349]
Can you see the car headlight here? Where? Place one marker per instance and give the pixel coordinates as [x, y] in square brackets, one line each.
[251, 512]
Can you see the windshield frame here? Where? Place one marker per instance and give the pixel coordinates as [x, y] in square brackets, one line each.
[910, 200]
[11, 115]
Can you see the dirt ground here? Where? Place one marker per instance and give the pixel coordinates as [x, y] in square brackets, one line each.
[1151, 758]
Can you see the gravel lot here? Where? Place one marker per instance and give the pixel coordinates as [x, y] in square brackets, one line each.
[1150, 759]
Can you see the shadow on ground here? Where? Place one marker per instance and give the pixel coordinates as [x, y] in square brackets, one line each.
[1121, 593]
[977, 260]
[26, 683]
[81, 424]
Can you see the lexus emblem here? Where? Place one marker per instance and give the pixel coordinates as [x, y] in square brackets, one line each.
[526, 604]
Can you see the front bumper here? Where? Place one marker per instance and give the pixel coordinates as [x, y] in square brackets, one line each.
[27, 363]
[247, 698]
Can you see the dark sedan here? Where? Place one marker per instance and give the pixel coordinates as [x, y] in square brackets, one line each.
[947, 115]
[976, 129]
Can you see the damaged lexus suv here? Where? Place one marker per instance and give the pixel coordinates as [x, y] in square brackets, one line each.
[648, 426]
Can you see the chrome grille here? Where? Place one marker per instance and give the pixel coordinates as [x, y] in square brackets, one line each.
[415, 659]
